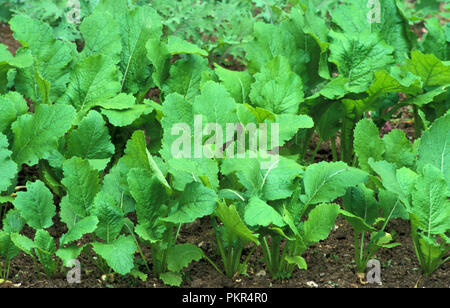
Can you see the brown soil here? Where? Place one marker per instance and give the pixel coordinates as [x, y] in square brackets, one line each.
[330, 265]
[7, 39]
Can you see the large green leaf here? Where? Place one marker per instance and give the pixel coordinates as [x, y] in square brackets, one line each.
[12, 105]
[91, 141]
[118, 253]
[195, 202]
[36, 205]
[236, 83]
[278, 180]
[434, 147]
[231, 219]
[8, 62]
[259, 213]
[358, 57]
[206, 105]
[277, 88]
[430, 202]
[101, 35]
[320, 222]
[324, 182]
[137, 26]
[110, 217]
[82, 227]
[51, 57]
[148, 193]
[8, 167]
[352, 17]
[399, 149]
[82, 185]
[360, 200]
[93, 79]
[430, 69]
[7, 248]
[180, 256]
[36, 136]
[138, 156]
[367, 143]
[185, 77]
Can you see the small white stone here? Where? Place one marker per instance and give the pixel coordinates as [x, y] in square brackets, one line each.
[312, 284]
[261, 273]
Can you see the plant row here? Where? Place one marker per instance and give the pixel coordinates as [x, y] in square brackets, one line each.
[103, 149]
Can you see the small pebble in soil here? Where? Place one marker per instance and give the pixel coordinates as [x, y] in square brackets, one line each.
[312, 284]
[261, 273]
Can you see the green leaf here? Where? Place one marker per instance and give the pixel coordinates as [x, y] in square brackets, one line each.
[430, 69]
[277, 88]
[12, 105]
[171, 279]
[46, 248]
[391, 206]
[259, 213]
[8, 62]
[400, 182]
[8, 249]
[278, 182]
[434, 147]
[357, 58]
[195, 202]
[138, 156]
[176, 46]
[36, 136]
[82, 184]
[232, 221]
[399, 149]
[176, 110]
[434, 41]
[91, 140]
[360, 200]
[358, 224]
[101, 35]
[118, 254]
[51, 57]
[93, 79]
[159, 55]
[237, 83]
[82, 227]
[297, 260]
[67, 254]
[185, 77]
[180, 256]
[271, 41]
[137, 26]
[324, 182]
[36, 205]
[367, 143]
[289, 124]
[125, 117]
[110, 217]
[188, 170]
[13, 222]
[320, 222]
[212, 112]
[352, 17]
[430, 203]
[23, 243]
[148, 193]
[248, 171]
[8, 167]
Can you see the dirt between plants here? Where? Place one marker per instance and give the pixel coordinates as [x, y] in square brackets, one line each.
[330, 265]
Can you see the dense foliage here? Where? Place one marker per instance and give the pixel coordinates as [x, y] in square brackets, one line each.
[75, 107]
